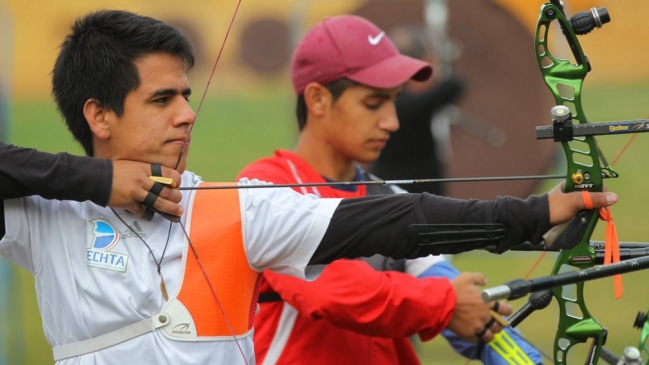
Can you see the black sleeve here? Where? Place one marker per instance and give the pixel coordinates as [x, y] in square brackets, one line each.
[378, 224]
[25, 172]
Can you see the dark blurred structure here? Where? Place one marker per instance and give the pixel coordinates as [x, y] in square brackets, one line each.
[414, 151]
[492, 130]
[504, 91]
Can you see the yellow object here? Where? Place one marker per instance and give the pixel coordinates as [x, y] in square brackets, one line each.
[578, 177]
[167, 181]
[505, 346]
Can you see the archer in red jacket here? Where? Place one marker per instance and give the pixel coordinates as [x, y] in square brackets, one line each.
[352, 314]
[357, 311]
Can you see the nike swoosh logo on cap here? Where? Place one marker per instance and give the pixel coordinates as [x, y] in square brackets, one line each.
[375, 40]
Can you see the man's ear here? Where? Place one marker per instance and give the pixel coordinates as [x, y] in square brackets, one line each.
[317, 99]
[97, 118]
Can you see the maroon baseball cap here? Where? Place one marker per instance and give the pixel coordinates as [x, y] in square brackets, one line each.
[352, 47]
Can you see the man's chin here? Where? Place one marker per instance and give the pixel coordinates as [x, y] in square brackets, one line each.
[180, 165]
[368, 158]
[178, 161]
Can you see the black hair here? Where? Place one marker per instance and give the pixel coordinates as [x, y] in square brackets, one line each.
[336, 88]
[96, 61]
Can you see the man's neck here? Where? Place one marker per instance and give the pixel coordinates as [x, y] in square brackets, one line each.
[325, 159]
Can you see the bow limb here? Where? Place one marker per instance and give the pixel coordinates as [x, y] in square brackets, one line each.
[584, 172]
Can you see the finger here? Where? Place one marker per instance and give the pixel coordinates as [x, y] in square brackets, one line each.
[496, 306]
[479, 279]
[496, 327]
[173, 174]
[170, 194]
[152, 195]
[504, 309]
[169, 217]
[167, 202]
[481, 334]
[156, 175]
[151, 199]
[601, 200]
[164, 175]
[166, 207]
[485, 335]
[136, 209]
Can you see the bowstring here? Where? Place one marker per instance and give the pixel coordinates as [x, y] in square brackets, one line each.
[209, 81]
[198, 109]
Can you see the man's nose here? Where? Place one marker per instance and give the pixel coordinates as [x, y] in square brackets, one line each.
[390, 122]
[185, 115]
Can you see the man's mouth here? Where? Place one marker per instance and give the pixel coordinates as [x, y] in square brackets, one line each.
[183, 141]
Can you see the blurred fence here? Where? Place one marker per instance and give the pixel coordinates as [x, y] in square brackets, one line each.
[258, 50]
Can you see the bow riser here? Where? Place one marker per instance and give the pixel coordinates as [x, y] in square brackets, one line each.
[565, 78]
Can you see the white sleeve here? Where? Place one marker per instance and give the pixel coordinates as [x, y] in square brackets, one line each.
[16, 243]
[283, 228]
[417, 266]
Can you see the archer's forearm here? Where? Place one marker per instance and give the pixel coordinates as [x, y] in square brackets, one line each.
[378, 224]
[26, 172]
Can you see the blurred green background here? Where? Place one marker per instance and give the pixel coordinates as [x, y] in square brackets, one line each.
[246, 117]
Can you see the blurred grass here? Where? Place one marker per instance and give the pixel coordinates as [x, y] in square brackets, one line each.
[231, 132]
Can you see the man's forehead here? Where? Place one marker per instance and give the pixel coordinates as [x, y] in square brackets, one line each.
[161, 71]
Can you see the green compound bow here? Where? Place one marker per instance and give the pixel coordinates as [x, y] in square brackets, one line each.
[586, 170]
[565, 79]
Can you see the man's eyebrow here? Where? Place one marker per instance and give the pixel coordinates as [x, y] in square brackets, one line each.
[379, 95]
[170, 92]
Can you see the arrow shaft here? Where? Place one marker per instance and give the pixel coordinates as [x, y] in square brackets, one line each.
[380, 182]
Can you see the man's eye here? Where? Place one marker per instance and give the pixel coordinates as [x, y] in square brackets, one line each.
[161, 100]
[373, 106]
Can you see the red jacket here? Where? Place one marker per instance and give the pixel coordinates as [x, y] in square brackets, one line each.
[351, 314]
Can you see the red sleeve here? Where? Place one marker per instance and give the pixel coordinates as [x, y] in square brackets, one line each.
[352, 295]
